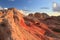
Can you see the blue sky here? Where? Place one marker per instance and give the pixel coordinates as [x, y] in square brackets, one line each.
[32, 5]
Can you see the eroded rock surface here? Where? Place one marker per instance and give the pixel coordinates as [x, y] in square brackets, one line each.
[15, 26]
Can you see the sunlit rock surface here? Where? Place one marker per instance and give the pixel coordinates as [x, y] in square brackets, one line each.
[15, 26]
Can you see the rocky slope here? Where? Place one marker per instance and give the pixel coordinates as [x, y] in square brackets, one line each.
[15, 26]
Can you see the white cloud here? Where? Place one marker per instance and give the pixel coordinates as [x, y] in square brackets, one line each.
[1, 8]
[29, 1]
[56, 7]
[5, 8]
[54, 13]
[11, 0]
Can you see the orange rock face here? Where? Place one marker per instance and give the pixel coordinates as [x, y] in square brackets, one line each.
[15, 26]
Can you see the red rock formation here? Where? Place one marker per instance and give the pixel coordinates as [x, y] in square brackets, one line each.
[15, 26]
